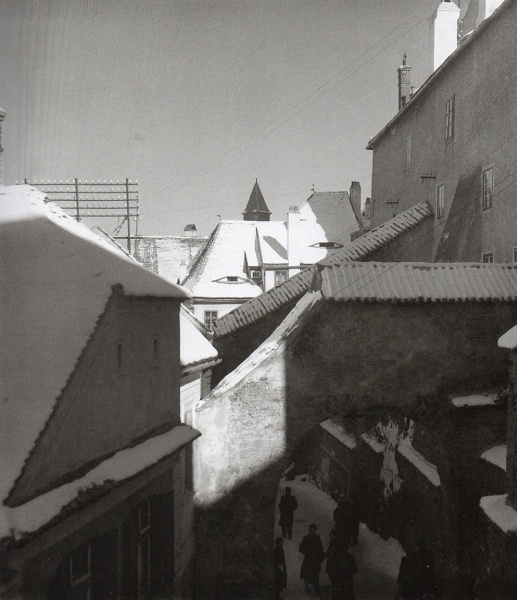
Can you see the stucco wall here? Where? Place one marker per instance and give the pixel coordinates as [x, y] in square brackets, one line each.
[483, 79]
[111, 401]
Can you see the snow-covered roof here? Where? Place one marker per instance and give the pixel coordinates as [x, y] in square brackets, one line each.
[56, 278]
[224, 256]
[375, 444]
[296, 286]
[272, 243]
[418, 282]
[486, 399]
[416, 459]
[36, 513]
[496, 456]
[275, 341]
[338, 431]
[509, 339]
[195, 348]
[500, 513]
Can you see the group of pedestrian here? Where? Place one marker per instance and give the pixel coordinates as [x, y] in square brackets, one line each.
[341, 565]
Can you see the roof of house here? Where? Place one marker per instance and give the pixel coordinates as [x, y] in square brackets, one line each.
[256, 203]
[224, 256]
[418, 282]
[465, 43]
[296, 286]
[56, 279]
[195, 348]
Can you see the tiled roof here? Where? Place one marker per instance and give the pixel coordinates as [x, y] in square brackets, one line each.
[419, 282]
[296, 286]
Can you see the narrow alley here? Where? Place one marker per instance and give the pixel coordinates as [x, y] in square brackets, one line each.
[378, 560]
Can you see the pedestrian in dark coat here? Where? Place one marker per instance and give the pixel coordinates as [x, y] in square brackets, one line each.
[280, 568]
[409, 580]
[287, 506]
[343, 520]
[312, 550]
[341, 568]
[354, 519]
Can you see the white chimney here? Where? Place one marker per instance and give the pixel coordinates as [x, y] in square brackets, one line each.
[444, 32]
[294, 240]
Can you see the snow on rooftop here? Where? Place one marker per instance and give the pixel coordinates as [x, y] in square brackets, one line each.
[33, 515]
[425, 467]
[338, 431]
[194, 347]
[475, 400]
[496, 456]
[500, 513]
[56, 278]
[266, 349]
[509, 339]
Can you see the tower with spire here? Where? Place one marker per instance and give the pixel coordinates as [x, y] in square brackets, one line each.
[256, 209]
[404, 82]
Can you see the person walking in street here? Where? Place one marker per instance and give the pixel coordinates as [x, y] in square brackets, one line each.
[409, 581]
[287, 506]
[341, 568]
[312, 550]
[343, 520]
[280, 568]
[354, 519]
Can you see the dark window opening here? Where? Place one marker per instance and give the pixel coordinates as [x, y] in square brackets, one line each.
[120, 355]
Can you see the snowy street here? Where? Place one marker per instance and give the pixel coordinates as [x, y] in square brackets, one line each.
[378, 561]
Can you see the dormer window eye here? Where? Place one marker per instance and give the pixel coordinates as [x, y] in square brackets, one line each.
[231, 279]
[327, 245]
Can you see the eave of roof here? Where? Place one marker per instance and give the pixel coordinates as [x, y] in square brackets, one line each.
[465, 43]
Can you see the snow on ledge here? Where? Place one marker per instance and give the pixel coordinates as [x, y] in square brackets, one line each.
[509, 339]
[373, 442]
[475, 400]
[32, 515]
[500, 513]
[425, 467]
[338, 431]
[496, 456]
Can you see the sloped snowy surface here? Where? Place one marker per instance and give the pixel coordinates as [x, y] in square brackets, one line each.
[194, 347]
[31, 516]
[496, 456]
[475, 400]
[338, 431]
[509, 339]
[424, 466]
[56, 278]
[500, 513]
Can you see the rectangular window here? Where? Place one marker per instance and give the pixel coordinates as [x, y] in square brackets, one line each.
[488, 188]
[408, 152]
[488, 258]
[280, 277]
[440, 201]
[189, 469]
[80, 573]
[210, 319]
[256, 276]
[449, 118]
[515, 255]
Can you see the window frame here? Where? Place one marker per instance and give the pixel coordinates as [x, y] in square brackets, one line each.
[515, 254]
[487, 192]
[209, 317]
[440, 201]
[487, 255]
[82, 583]
[408, 152]
[285, 276]
[450, 117]
[144, 547]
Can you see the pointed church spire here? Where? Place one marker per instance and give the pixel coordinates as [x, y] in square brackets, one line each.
[256, 209]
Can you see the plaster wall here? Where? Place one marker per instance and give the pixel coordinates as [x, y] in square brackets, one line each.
[483, 81]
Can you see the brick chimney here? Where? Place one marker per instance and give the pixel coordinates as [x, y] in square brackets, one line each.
[444, 32]
[404, 82]
[368, 209]
[294, 240]
[355, 198]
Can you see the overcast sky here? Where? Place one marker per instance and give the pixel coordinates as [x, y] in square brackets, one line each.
[196, 99]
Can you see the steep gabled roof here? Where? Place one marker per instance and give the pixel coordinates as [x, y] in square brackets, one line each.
[418, 282]
[56, 279]
[256, 207]
[296, 286]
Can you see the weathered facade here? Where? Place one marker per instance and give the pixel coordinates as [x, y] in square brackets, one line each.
[453, 144]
